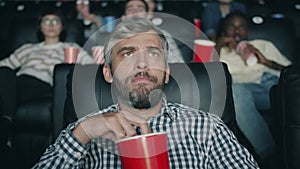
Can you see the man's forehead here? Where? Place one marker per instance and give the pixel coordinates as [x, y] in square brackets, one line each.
[149, 38]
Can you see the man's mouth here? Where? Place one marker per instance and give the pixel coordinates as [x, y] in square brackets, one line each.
[237, 38]
[141, 80]
[142, 77]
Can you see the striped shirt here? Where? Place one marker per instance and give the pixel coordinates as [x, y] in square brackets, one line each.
[38, 60]
[196, 139]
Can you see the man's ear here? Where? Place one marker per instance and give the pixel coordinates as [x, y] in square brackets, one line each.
[167, 75]
[107, 73]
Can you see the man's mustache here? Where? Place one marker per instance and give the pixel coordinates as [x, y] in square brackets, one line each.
[146, 75]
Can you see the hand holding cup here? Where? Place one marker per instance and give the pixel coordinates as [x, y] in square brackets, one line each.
[248, 56]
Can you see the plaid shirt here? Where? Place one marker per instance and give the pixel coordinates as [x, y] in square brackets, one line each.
[196, 139]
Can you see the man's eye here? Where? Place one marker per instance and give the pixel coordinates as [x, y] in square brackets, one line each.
[230, 27]
[154, 54]
[127, 54]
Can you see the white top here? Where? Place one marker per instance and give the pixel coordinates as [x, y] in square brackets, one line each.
[38, 60]
[242, 73]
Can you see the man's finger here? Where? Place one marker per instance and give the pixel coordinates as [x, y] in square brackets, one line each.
[145, 129]
[126, 125]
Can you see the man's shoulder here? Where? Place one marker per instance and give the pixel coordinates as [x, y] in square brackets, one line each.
[183, 111]
[260, 42]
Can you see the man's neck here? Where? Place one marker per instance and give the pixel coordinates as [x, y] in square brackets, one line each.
[142, 113]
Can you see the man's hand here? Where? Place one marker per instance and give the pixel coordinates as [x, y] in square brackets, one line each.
[114, 126]
[260, 57]
[225, 41]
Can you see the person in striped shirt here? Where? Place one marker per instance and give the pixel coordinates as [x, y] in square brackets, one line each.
[136, 65]
[27, 73]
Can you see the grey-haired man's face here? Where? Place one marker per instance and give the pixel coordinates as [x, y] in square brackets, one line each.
[139, 69]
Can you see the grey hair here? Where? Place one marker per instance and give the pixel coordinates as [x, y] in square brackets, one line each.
[128, 28]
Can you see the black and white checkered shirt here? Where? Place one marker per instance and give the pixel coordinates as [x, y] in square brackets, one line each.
[196, 139]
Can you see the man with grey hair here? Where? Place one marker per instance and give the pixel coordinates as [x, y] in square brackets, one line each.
[139, 8]
[137, 68]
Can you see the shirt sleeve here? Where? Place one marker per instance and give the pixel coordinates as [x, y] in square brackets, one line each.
[16, 59]
[274, 54]
[66, 152]
[225, 150]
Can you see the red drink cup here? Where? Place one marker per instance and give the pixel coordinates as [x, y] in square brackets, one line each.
[148, 151]
[197, 23]
[248, 57]
[71, 54]
[98, 54]
[203, 50]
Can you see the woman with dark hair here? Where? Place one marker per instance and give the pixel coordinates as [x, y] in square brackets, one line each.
[27, 73]
[63, 33]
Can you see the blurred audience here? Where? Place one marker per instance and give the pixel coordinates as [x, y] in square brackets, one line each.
[251, 83]
[151, 8]
[139, 8]
[91, 21]
[27, 73]
[216, 10]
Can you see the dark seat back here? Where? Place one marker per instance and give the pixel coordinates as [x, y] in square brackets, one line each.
[199, 85]
[285, 102]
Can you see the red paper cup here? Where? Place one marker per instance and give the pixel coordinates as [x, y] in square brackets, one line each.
[197, 23]
[248, 57]
[71, 54]
[98, 54]
[148, 151]
[203, 50]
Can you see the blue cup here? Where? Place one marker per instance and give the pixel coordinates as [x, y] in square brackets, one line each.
[109, 22]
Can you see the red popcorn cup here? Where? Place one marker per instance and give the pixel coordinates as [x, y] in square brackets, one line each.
[248, 57]
[203, 50]
[98, 54]
[71, 54]
[148, 151]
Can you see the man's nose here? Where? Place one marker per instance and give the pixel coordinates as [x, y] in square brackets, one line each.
[236, 30]
[141, 61]
[135, 10]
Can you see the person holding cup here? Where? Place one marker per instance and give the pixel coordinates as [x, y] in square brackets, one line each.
[252, 80]
[91, 21]
[136, 66]
[27, 73]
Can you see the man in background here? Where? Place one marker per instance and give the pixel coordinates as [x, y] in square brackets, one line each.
[251, 83]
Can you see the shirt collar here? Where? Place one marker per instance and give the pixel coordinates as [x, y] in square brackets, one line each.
[164, 111]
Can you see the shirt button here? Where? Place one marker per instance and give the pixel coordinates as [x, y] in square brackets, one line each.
[77, 154]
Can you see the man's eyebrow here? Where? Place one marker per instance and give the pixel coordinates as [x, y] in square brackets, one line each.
[130, 48]
[155, 48]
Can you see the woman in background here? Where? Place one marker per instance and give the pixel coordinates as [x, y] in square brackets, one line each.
[27, 73]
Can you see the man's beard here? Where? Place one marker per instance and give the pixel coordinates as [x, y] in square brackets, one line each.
[142, 97]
